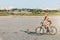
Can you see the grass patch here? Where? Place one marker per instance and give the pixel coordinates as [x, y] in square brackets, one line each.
[3, 14]
[33, 14]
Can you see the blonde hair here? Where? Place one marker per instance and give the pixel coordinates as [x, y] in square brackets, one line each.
[46, 15]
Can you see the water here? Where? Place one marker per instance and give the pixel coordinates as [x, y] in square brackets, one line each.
[14, 28]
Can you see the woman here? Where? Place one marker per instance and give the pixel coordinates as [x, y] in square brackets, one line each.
[46, 22]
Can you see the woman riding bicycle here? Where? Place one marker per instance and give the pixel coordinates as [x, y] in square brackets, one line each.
[46, 22]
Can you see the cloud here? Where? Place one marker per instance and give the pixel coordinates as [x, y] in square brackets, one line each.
[9, 7]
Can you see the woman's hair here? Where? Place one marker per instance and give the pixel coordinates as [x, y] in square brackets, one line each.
[46, 15]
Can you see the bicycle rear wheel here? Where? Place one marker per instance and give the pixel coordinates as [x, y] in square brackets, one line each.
[52, 30]
[39, 30]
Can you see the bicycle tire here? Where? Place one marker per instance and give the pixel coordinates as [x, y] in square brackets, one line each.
[52, 30]
[39, 29]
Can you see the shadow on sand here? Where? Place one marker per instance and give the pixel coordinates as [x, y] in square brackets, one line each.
[31, 33]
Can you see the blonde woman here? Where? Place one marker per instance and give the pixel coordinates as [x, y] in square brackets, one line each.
[46, 22]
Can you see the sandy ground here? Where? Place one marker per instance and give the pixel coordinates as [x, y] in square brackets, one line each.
[14, 28]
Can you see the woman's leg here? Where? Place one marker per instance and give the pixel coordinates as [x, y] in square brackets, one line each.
[47, 26]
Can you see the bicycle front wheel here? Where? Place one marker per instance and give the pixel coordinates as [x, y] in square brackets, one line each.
[53, 30]
[39, 30]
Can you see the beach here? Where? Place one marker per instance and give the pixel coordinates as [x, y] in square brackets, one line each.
[14, 28]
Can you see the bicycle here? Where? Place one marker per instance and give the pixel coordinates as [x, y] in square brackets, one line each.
[41, 29]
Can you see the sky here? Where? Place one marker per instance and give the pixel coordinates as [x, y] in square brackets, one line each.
[43, 4]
